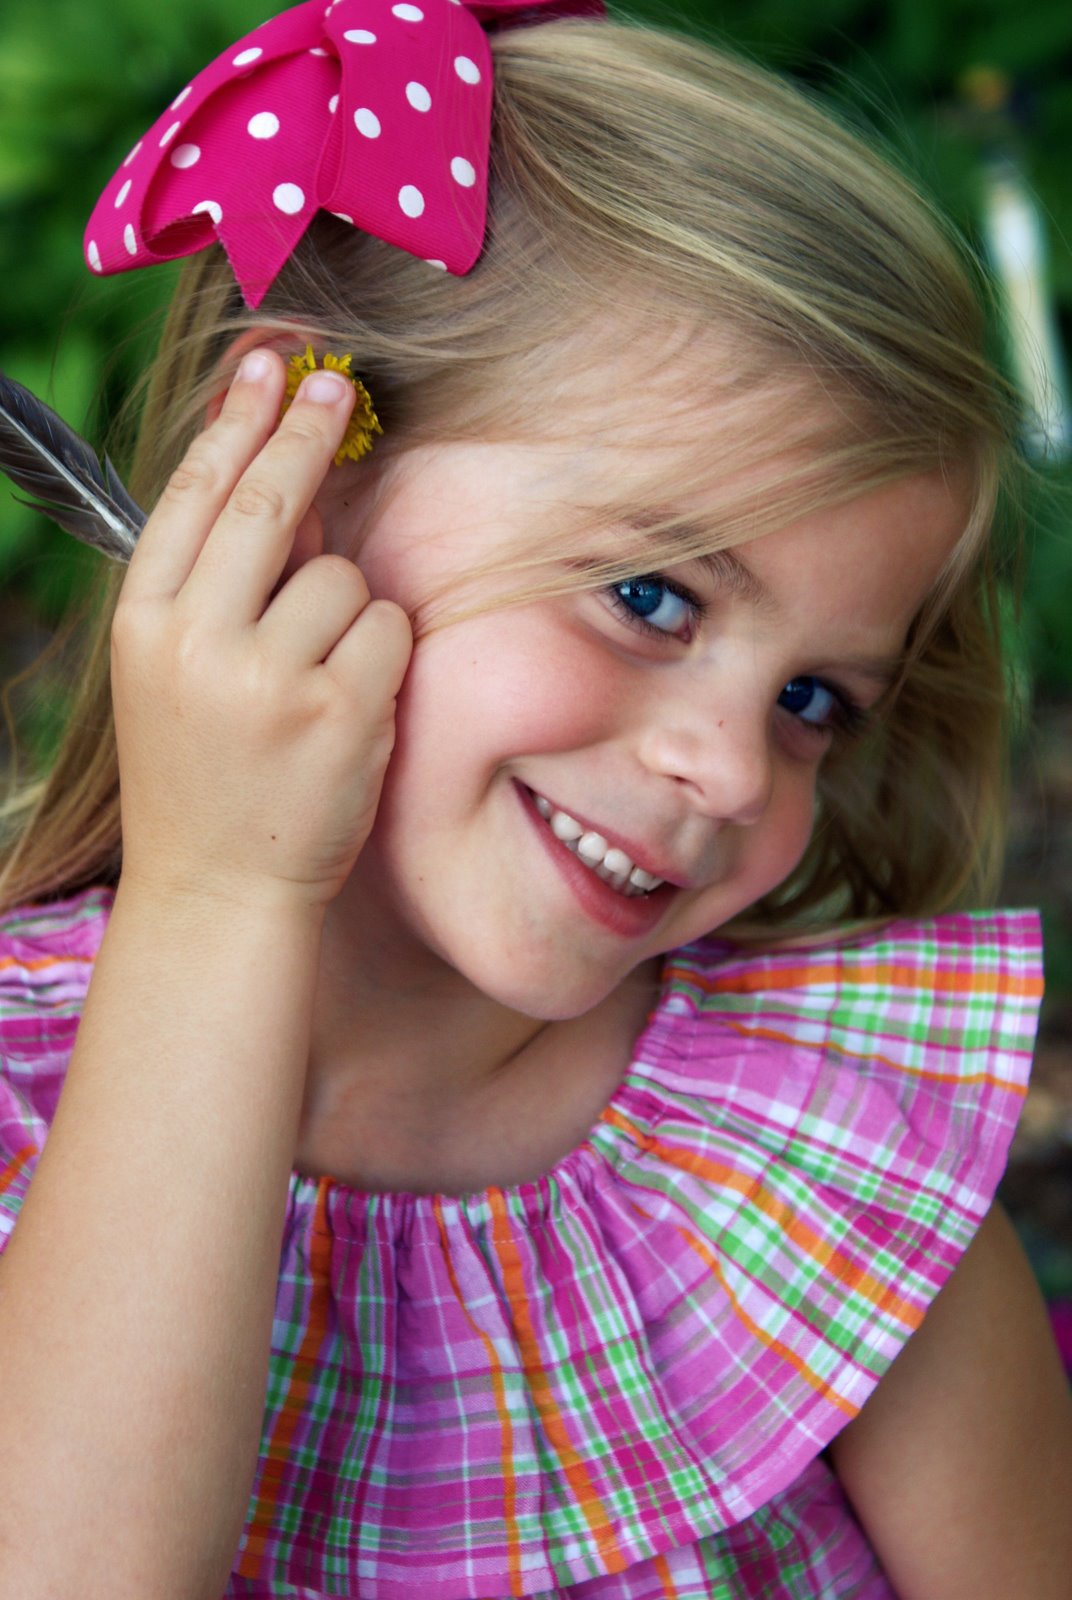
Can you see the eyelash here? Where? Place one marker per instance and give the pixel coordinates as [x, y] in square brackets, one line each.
[849, 719]
[697, 609]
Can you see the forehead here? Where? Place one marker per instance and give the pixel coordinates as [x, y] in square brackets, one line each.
[647, 390]
[689, 468]
[721, 417]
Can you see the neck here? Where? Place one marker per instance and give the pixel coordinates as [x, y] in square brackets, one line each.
[418, 1081]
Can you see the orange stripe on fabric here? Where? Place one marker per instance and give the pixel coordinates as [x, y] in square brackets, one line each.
[743, 1031]
[41, 963]
[821, 1252]
[509, 1480]
[899, 975]
[18, 1164]
[812, 1379]
[662, 1569]
[301, 1382]
[540, 1386]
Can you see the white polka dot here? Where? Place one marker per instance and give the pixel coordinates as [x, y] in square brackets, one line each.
[93, 255]
[214, 211]
[129, 239]
[467, 70]
[441, 266]
[244, 57]
[186, 155]
[265, 125]
[333, 104]
[418, 97]
[342, 216]
[179, 98]
[411, 200]
[121, 196]
[170, 134]
[359, 36]
[367, 122]
[289, 198]
[463, 172]
[408, 13]
[133, 153]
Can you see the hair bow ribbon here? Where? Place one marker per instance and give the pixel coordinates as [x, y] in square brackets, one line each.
[376, 110]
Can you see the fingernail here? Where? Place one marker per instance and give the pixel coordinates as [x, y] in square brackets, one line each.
[254, 367]
[324, 388]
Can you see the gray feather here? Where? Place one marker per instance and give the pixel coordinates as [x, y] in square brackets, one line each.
[63, 475]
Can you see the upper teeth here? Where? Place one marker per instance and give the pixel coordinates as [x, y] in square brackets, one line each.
[595, 852]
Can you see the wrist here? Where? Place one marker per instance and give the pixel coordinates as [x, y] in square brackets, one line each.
[194, 896]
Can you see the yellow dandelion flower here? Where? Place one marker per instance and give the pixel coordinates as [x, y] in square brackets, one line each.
[364, 424]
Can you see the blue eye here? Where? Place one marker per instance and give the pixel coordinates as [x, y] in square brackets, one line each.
[812, 702]
[656, 605]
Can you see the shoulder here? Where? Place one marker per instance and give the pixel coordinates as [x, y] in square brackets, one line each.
[74, 923]
[834, 1119]
[933, 1020]
[47, 954]
[960, 1465]
[969, 967]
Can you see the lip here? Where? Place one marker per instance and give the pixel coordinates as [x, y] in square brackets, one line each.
[635, 852]
[629, 916]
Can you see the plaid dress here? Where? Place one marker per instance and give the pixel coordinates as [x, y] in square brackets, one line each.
[616, 1383]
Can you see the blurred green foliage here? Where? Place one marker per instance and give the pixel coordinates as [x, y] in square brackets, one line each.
[80, 80]
[78, 85]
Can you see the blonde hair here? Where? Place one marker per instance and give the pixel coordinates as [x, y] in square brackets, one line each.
[705, 200]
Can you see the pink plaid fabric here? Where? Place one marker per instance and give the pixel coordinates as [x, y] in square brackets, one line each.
[616, 1382]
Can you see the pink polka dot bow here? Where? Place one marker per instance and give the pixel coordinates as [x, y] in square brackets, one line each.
[376, 110]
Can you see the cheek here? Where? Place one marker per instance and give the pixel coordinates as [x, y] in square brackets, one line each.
[790, 826]
[769, 851]
[507, 684]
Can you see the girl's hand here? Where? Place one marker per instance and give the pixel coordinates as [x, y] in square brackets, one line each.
[254, 726]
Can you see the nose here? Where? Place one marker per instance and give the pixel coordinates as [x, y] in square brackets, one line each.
[722, 761]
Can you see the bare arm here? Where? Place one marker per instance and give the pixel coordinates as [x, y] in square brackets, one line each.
[960, 1465]
[136, 1295]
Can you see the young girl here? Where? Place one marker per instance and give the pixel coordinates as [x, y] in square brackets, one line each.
[435, 1205]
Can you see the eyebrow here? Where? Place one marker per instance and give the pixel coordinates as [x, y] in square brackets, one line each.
[724, 566]
[732, 573]
[883, 671]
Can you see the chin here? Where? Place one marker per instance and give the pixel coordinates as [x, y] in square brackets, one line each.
[550, 995]
[551, 1002]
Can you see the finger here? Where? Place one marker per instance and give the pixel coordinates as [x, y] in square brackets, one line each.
[247, 548]
[372, 655]
[198, 489]
[313, 610]
[308, 543]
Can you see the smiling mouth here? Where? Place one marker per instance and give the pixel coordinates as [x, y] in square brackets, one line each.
[608, 863]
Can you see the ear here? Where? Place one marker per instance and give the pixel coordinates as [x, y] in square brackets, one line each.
[233, 354]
